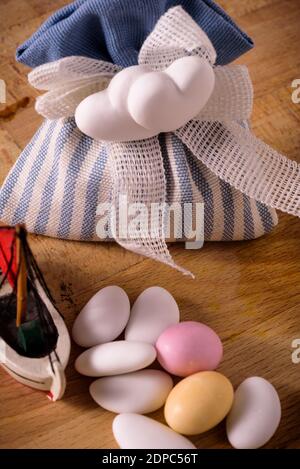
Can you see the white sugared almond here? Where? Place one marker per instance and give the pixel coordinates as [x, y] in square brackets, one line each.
[133, 431]
[140, 392]
[115, 358]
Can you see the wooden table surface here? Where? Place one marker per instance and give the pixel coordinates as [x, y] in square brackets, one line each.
[249, 292]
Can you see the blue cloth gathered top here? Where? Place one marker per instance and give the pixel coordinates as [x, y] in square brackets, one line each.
[114, 30]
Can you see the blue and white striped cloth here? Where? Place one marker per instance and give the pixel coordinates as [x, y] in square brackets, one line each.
[62, 176]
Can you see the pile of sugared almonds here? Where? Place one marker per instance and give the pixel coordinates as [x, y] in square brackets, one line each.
[190, 350]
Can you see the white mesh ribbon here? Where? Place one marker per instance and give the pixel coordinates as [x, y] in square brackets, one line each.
[139, 185]
[68, 81]
[232, 99]
[175, 35]
[230, 151]
[235, 155]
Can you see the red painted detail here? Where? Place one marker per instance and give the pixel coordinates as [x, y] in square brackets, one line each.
[50, 395]
[8, 249]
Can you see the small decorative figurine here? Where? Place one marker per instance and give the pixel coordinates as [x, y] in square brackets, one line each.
[34, 341]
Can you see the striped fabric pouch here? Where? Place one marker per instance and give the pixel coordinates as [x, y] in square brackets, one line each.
[62, 175]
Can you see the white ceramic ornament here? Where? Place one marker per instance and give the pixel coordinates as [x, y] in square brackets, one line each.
[140, 392]
[153, 311]
[103, 318]
[140, 103]
[255, 414]
[133, 431]
[115, 358]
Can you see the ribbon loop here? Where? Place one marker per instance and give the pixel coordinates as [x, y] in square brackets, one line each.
[62, 102]
[232, 98]
[69, 81]
[69, 70]
[175, 35]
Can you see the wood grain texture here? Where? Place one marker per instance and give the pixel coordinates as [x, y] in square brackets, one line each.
[249, 292]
